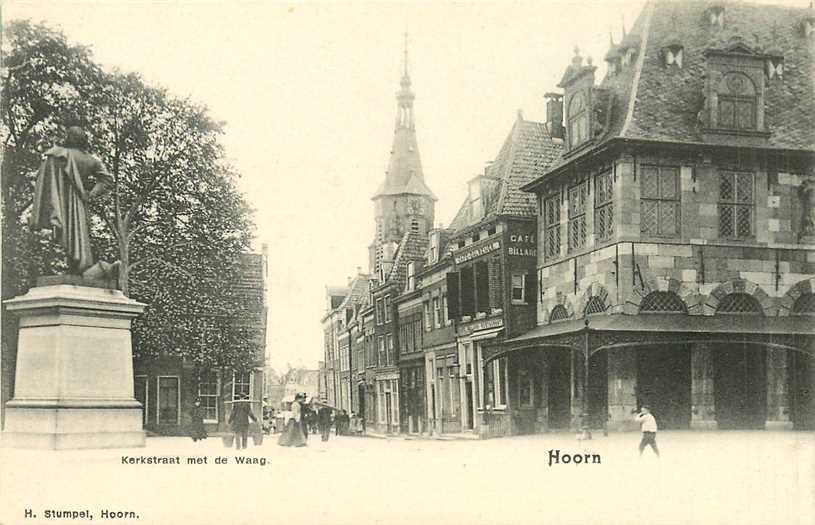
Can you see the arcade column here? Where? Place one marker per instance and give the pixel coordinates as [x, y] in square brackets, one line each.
[622, 388]
[703, 403]
[74, 375]
[778, 398]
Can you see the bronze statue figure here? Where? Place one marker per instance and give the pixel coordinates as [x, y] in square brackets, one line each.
[61, 197]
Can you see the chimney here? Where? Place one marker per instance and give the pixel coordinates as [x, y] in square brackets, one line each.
[554, 115]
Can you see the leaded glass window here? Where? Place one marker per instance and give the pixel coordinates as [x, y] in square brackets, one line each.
[739, 303]
[804, 304]
[662, 302]
[659, 201]
[577, 215]
[596, 305]
[551, 221]
[737, 102]
[736, 203]
[604, 205]
[558, 313]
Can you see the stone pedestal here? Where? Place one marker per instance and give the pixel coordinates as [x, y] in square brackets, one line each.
[622, 388]
[74, 375]
[703, 401]
[778, 398]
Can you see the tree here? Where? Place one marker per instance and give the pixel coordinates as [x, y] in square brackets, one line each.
[174, 219]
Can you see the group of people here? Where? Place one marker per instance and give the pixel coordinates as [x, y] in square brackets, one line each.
[238, 421]
[304, 420]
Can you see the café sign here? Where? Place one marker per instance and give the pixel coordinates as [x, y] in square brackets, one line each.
[522, 245]
[483, 324]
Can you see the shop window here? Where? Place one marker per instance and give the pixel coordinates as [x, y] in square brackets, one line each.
[739, 303]
[551, 222]
[736, 203]
[659, 201]
[577, 216]
[208, 393]
[804, 305]
[663, 302]
[559, 313]
[604, 205]
[519, 288]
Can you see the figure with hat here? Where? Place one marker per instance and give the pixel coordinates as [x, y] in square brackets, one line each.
[293, 436]
[239, 419]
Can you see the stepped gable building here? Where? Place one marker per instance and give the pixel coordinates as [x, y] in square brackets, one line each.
[675, 238]
[489, 291]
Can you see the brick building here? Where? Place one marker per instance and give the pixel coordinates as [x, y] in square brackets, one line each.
[167, 387]
[675, 235]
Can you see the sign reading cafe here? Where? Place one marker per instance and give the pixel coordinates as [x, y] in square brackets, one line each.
[522, 245]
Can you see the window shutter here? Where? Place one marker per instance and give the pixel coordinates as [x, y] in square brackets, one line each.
[530, 283]
[452, 296]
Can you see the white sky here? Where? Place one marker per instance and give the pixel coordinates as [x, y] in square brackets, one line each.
[307, 91]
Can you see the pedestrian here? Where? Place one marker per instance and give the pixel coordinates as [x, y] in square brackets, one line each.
[197, 430]
[305, 414]
[324, 422]
[239, 419]
[648, 425]
[293, 436]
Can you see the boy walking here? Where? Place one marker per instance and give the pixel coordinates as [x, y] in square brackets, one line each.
[648, 425]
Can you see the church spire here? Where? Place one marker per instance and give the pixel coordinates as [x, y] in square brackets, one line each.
[404, 99]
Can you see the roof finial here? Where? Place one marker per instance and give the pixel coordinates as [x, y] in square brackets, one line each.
[406, 53]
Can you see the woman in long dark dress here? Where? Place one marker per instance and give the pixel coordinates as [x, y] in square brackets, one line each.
[293, 435]
[197, 430]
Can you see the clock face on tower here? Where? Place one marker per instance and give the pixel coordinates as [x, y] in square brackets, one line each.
[415, 206]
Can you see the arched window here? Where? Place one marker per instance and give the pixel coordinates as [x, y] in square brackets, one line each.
[596, 305]
[804, 305]
[739, 303]
[578, 120]
[737, 102]
[663, 302]
[558, 313]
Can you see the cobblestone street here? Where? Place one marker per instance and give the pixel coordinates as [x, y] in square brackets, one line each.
[721, 477]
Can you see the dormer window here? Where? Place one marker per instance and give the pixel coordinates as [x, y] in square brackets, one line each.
[775, 67]
[737, 102]
[628, 56]
[808, 27]
[673, 55]
[411, 277]
[578, 118]
[715, 16]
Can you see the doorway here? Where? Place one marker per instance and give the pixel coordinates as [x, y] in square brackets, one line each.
[664, 384]
[468, 391]
[740, 386]
[559, 388]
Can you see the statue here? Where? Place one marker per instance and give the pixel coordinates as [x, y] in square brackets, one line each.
[806, 193]
[61, 200]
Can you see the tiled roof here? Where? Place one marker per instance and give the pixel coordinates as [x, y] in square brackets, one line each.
[411, 248]
[669, 99]
[357, 292]
[526, 154]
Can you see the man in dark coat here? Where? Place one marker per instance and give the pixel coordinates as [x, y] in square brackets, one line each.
[305, 410]
[324, 422]
[239, 419]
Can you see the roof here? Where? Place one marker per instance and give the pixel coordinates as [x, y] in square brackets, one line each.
[404, 173]
[411, 248]
[647, 101]
[527, 153]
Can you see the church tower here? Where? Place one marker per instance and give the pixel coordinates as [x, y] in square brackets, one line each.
[403, 203]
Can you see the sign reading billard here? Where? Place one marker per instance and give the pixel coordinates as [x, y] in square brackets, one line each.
[478, 251]
[482, 324]
[522, 245]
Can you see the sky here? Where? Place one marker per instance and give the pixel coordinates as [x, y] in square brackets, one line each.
[307, 91]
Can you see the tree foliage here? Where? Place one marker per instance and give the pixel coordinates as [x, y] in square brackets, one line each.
[174, 219]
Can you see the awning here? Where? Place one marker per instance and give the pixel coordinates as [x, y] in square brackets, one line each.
[670, 323]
